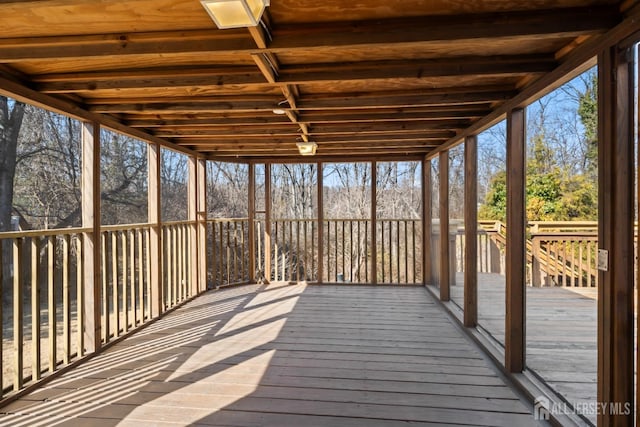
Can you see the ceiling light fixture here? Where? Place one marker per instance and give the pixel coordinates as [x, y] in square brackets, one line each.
[235, 13]
[279, 110]
[307, 148]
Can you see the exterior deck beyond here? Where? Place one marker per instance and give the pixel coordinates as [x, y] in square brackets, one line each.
[285, 355]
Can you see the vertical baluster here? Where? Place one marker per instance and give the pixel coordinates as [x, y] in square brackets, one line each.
[574, 263]
[80, 299]
[175, 283]
[140, 263]
[580, 263]
[17, 314]
[366, 256]
[291, 253]
[221, 253]
[235, 251]
[398, 276]
[35, 310]
[132, 276]
[306, 252]
[105, 292]
[406, 253]
[52, 304]
[125, 281]
[344, 271]
[351, 251]
[180, 280]
[589, 264]
[115, 305]
[335, 236]
[148, 273]
[283, 250]
[382, 251]
[66, 308]
[299, 255]
[243, 263]
[258, 243]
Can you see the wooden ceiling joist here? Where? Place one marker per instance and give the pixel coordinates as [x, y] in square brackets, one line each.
[392, 78]
[216, 76]
[571, 22]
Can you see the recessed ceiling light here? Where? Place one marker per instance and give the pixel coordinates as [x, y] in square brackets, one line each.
[235, 13]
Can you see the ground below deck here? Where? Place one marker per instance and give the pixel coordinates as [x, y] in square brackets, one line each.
[285, 355]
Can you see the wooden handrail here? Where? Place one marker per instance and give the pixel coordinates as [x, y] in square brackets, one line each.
[43, 233]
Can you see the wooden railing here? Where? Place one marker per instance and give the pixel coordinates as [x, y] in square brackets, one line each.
[564, 259]
[561, 253]
[177, 280]
[41, 279]
[125, 279]
[228, 251]
[347, 251]
[42, 283]
[399, 250]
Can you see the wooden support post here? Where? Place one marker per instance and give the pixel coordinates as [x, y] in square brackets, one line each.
[202, 224]
[155, 233]
[320, 222]
[374, 227]
[615, 237]
[516, 243]
[92, 275]
[427, 223]
[191, 270]
[445, 257]
[252, 222]
[267, 222]
[471, 231]
[536, 266]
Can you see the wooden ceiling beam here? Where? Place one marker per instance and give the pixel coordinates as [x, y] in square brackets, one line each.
[237, 119]
[265, 106]
[382, 126]
[569, 22]
[510, 65]
[418, 137]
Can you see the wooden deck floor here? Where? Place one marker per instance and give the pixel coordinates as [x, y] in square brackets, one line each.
[561, 334]
[285, 356]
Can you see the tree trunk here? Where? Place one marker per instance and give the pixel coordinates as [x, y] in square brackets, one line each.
[11, 114]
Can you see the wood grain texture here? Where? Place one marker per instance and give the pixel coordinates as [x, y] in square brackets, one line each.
[164, 57]
[286, 355]
[515, 340]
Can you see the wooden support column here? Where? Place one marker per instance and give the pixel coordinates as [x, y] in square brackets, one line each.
[427, 223]
[252, 222]
[516, 243]
[615, 237]
[374, 227]
[92, 274]
[445, 258]
[155, 232]
[202, 224]
[320, 222]
[470, 231]
[192, 217]
[267, 222]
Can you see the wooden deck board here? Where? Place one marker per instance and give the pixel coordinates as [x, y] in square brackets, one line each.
[285, 356]
[561, 333]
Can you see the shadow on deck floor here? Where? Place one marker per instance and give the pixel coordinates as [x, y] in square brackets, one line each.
[285, 355]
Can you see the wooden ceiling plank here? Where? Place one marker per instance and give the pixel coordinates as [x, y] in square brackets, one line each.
[265, 105]
[218, 76]
[568, 21]
[571, 22]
